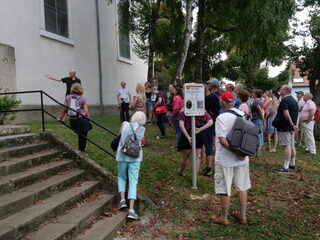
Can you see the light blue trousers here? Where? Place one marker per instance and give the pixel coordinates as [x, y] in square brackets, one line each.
[133, 169]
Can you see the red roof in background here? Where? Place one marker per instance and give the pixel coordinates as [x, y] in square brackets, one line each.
[305, 82]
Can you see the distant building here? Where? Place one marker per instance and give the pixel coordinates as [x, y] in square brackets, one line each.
[299, 83]
[41, 37]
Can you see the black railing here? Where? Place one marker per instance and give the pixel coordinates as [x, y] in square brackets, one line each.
[43, 111]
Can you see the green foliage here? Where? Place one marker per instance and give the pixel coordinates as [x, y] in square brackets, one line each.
[8, 103]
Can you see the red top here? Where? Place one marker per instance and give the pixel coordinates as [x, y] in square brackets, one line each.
[177, 105]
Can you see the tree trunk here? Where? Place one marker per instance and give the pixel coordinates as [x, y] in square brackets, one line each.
[152, 39]
[250, 78]
[200, 41]
[186, 40]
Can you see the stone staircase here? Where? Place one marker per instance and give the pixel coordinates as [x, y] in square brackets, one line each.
[48, 191]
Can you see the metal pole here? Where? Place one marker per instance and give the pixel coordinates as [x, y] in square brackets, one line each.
[194, 153]
[42, 113]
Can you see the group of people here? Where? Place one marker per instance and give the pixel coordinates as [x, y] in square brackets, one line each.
[276, 113]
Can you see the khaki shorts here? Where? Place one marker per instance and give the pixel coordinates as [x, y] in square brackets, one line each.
[224, 176]
[286, 138]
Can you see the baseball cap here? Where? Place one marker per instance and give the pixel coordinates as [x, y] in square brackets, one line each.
[299, 92]
[215, 82]
[227, 97]
[123, 82]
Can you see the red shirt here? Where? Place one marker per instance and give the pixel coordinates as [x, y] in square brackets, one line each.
[177, 105]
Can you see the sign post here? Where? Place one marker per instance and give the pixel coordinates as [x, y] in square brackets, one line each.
[194, 106]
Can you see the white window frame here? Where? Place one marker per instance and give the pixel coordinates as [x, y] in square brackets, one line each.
[119, 58]
[54, 36]
[298, 80]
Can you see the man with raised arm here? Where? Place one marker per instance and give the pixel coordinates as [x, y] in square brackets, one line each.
[69, 81]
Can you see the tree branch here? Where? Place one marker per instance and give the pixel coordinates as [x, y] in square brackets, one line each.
[222, 29]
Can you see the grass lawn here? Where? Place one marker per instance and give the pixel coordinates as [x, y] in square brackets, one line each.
[281, 206]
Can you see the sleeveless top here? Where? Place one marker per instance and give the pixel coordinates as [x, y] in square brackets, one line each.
[140, 105]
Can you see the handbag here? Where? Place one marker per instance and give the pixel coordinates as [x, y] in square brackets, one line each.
[115, 143]
[162, 109]
[276, 122]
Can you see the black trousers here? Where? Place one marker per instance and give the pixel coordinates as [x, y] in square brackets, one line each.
[124, 112]
[82, 141]
[82, 126]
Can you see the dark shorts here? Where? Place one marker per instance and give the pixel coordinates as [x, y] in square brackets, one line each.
[210, 133]
[184, 143]
[81, 124]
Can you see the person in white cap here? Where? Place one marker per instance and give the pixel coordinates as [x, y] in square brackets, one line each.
[124, 100]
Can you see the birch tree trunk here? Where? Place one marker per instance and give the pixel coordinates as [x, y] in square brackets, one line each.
[186, 40]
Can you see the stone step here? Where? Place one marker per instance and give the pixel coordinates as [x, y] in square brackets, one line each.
[29, 176]
[104, 229]
[18, 225]
[15, 140]
[16, 151]
[16, 201]
[6, 130]
[75, 221]
[17, 164]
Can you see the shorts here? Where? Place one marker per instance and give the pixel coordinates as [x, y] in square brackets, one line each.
[149, 105]
[184, 143]
[286, 138]
[210, 133]
[225, 176]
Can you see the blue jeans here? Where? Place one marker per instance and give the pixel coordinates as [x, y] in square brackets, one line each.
[176, 127]
[259, 124]
[133, 169]
[160, 122]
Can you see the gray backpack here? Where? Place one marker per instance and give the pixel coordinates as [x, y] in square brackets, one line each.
[74, 105]
[243, 138]
[131, 145]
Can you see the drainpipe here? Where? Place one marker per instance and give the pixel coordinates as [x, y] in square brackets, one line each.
[99, 57]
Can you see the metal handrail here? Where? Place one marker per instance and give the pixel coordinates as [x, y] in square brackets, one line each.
[43, 111]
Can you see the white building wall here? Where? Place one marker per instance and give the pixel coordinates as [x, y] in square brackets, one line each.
[21, 22]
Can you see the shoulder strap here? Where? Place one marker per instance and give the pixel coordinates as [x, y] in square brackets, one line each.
[134, 131]
[233, 112]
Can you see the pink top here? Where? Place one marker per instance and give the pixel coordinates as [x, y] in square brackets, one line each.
[245, 108]
[309, 105]
[177, 105]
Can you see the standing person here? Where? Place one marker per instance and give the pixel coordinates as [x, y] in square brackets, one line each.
[231, 88]
[258, 116]
[177, 106]
[229, 168]
[124, 99]
[287, 123]
[202, 123]
[149, 104]
[161, 101]
[243, 97]
[154, 96]
[307, 118]
[270, 116]
[301, 103]
[78, 123]
[170, 95]
[212, 106]
[69, 81]
[139, 99]
[130, 165]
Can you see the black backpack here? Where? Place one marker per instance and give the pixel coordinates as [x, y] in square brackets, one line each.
[243, 138]
[132, 146]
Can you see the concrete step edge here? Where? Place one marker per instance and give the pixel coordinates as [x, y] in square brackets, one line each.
[75, 220]
[18, 180]
[11, 203]
[14, 165]
[18, 225]
[104, 229]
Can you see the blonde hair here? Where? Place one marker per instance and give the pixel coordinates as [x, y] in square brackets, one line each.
[141, 92]
[139, 117]
[77, 89]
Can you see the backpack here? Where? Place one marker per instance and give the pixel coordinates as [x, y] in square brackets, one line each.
[243, 138]
[74, 105]
[131, 145]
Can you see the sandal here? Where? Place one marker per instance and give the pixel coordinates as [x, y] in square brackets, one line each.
[242, 221]
[220, 221]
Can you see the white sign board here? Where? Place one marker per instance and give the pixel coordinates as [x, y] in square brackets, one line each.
[194, 99]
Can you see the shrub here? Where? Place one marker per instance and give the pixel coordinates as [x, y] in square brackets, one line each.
[7, 103]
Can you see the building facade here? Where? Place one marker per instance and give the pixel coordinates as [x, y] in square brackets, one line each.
[40, 37]
[299, 83]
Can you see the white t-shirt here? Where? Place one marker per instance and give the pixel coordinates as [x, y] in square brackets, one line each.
[223, 126]
[300, 104]
[123, 93]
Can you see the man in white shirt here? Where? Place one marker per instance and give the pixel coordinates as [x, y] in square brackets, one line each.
[228, 166]
[124, 100]
[300, 104]
[307, 118]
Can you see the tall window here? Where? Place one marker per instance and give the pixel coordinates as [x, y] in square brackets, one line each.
[56, 16]
[124, 39]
